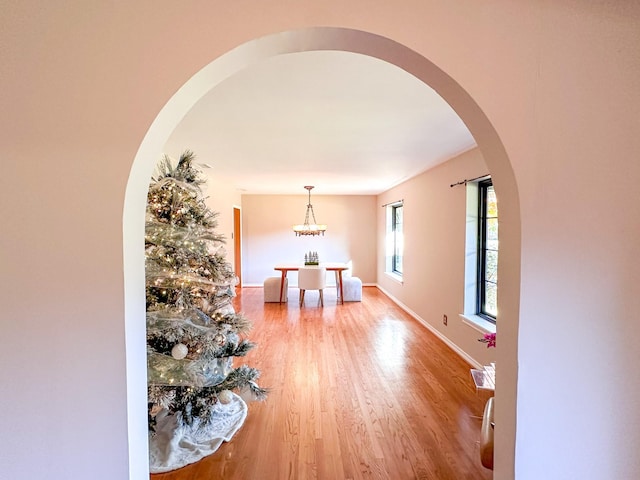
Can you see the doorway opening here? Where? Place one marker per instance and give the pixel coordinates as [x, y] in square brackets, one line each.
[314, 39]
[237, 244]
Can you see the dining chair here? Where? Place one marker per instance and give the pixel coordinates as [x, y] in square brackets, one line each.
[312, 278]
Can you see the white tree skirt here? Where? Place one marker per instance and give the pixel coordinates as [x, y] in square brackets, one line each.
[173, 447]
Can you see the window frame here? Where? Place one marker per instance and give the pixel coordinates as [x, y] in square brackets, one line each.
[481, 290]
[397, 254]
[394, 241]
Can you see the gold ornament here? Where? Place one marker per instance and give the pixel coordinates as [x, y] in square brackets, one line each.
[155, 410]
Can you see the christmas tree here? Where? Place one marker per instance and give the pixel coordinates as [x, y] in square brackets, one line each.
[193, 332]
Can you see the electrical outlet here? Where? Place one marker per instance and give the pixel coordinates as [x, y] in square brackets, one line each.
[444, 320]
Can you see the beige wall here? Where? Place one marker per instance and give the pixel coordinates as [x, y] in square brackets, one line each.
[268, 237]
[434, 256]
[221, 198]
[90, 92]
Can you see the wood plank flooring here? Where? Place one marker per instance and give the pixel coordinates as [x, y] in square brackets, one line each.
[358, 391]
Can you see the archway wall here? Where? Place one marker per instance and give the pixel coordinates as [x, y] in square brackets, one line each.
[328, 38]
[82, 86]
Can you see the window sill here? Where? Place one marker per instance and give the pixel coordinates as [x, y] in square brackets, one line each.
[395, 277]
[478, 323]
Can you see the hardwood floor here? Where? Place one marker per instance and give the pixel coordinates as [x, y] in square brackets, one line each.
[358, 391]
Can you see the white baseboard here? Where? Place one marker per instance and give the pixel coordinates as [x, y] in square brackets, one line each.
[461, 353]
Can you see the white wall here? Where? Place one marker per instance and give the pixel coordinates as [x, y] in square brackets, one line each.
[81, 85]
[268, 238]
[434, 255]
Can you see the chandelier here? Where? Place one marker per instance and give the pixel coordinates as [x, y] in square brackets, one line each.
[309, 228]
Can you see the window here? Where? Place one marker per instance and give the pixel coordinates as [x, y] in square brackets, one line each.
[487, 282]
[396, 227]
[394, 246]
[481, 257]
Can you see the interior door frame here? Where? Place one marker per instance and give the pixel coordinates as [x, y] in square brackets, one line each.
[237, 244]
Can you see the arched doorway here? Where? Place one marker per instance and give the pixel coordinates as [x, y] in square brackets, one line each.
[320, 38]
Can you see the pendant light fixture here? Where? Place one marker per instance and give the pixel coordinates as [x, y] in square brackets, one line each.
[309, 228]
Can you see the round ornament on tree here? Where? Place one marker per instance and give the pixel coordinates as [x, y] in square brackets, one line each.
[225, 396]
[220, 339]
[179, 351]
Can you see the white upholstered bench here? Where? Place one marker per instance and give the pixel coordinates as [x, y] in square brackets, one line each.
[352, 289]
[272, 290]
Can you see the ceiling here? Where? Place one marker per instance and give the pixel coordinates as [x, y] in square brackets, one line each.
[343, 122]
